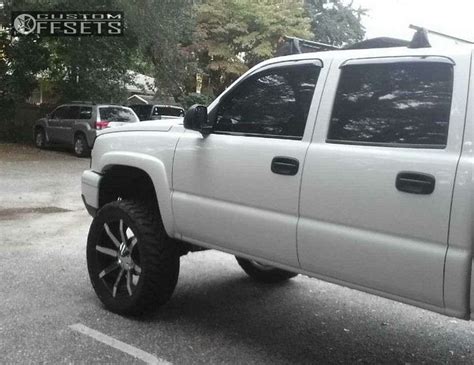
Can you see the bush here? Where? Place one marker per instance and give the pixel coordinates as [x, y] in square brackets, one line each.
[17, 120]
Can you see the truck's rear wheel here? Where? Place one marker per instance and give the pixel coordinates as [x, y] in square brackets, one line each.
[133, 264]
[264, 273]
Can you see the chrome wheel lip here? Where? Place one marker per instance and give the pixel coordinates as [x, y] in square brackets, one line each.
[122, 270]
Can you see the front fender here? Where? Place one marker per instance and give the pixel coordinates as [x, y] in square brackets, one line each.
[43, 124]
[157, 172]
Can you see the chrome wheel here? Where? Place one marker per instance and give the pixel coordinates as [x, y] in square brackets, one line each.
[133, 264]
[79, 146]
[118, 259]
[40, 139]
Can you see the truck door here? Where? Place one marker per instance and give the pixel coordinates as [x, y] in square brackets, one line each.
[378, 179]
[238, 188]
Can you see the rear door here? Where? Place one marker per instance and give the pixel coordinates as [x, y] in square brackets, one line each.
[68, 122]
[378, 179]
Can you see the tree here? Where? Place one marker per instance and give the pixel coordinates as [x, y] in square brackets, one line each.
[21, 60]
[95, 69]
[233, 35]
[164, 33]
[335, 22]
[78, 68]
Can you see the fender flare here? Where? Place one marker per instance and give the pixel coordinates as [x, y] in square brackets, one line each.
[156, 170]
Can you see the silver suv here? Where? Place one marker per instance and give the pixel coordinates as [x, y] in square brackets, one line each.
[76, 125]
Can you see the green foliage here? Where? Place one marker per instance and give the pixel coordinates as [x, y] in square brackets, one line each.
[171, 40]
[194, 98]
[338, 25]
[233, 35]
[90, 68]
[22, 60]
[164, 33]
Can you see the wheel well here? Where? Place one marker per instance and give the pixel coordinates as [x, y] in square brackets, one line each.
[38, 128]
[78, 133]
[125, 182]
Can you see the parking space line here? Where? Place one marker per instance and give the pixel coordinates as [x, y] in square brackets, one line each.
[119, 345]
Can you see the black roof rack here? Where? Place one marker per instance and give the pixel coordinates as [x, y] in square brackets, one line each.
[380, 42]
[294, 45]
[444, 35]
[420, 39]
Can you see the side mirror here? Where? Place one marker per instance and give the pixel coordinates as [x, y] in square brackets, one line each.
[196, 119]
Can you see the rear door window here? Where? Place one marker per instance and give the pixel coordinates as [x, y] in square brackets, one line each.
[59, 113]
[85, 112]
[117, 114]
[405, 104]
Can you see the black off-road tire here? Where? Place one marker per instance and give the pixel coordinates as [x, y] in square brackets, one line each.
[157, 257]
[264, 273]
[81, 147]
[40, 138]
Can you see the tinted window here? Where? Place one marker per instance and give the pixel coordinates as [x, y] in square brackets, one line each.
[86, 112]
[59, 113]
[117, 114]
[400, 104]
[71, 112]
[273, 103]
[143, 111]
[164, 110]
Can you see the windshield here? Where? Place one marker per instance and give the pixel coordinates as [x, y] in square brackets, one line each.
[117, 114]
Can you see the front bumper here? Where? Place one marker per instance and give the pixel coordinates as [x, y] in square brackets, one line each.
[90, 184]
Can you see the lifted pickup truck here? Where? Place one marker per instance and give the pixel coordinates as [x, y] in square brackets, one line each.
[351, 166]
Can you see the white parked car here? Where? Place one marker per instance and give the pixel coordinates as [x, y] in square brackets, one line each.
[352, 166]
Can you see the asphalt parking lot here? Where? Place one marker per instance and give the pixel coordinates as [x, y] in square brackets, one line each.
[48, 311]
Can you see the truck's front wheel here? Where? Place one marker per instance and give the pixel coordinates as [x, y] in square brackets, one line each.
[133, 264]
[264, 273]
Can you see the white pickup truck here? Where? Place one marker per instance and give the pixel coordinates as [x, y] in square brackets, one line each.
[354, 166]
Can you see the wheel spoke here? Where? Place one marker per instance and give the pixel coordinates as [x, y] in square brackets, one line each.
[119, 277]
[138, 269]
[122, 232]
[108, 269]
[132, 244]
[111, 235]
[129, 282]
[107, 251]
